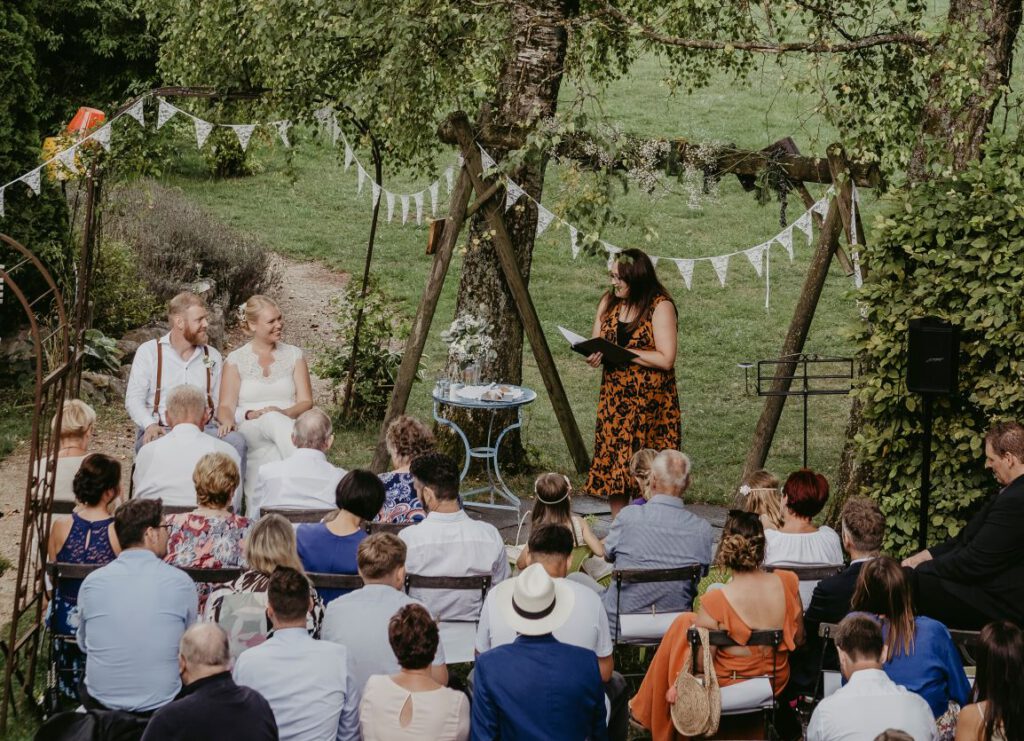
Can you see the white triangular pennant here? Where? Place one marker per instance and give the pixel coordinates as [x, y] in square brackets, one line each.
[654, 260]
[203, 129]
[573, 242]
[31, 179]
[721, 266]
[756, 257]
[512, 193]
[137, 111]
[244, 134]
[461, 160]
[544, 218]
[418, 199]
[806, 224]
[67, 158]
[449, 176]
[102, 135]
[360, 178]
[686, 270]
[487, 160]
[282, 131]
[821, 207]
[349, 154]
[389, 198]
[434, 186]
[1, 203]
[376, 193]
[785, 238]
[405, 209]
[336, 132]
[612, 251]
[164, 113]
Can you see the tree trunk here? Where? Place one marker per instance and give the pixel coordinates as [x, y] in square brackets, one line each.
[527, 93]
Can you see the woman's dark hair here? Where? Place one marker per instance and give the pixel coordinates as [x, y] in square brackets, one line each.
[413, 636]
[882, 589]
[998, 678]
[553, 504]
[742, 545]
[637, 271]
[361, 493]
[97, 475]
[806, 492]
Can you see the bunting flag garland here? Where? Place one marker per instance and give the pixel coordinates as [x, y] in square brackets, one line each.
[31, 179]
[512, 194]
[449, 176]
[244, 134]
[654, 260]
[756, 257]
[137, 111]
[686, 270]
[544, 219]
[806, 224]
[335, 131]
[487, 160]
[1, 203]
[405, 209]
[102, 135]
[203, 129]
[434, 186]
[349, 154]
[389, 198]
[785, 238]
[282, 131]
[67, 158]
[361, 178]
[721, 265]
[418, 199]
[821, 207]
[573, 242]
[376, 189]
[164, 114]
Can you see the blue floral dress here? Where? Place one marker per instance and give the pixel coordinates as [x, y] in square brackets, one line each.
[400, 501]
[88, 542]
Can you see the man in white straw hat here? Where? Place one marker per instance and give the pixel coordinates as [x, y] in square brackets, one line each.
[536, 687]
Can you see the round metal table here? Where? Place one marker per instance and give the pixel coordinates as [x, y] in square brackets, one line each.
[488, 453]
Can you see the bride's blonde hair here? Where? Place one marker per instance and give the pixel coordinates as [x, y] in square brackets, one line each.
[252, 308]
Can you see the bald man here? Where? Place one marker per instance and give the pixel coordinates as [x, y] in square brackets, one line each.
[211, 705]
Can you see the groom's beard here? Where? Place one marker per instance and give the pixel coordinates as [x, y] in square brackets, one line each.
[195, 338]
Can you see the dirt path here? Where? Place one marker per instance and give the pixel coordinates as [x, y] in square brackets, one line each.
[306, 290]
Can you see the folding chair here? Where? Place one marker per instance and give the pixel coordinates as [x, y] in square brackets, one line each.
[212, 576]
[59, 575]
[809, 576]
[753, 695]
[297, 516]
[63, 506]
[457, 636]
[648, 628]
[828, 680]
[386, 527]
[336, 581]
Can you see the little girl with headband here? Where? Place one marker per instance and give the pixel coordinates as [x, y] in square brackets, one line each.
[553, 506]
[760, 494]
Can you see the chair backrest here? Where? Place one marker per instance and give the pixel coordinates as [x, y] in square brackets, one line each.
[721, 639]
[63, 506]
[212, 576]
[809, 573]
[689, 574]
[480, 582]
[67, 571]
[297, 516]
[336, 581]
[386, 527]
[966, 642]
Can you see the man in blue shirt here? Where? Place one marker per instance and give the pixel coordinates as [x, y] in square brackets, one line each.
[132, 614]
[535, 688]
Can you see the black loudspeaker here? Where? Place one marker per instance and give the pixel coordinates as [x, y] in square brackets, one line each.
[933, 356]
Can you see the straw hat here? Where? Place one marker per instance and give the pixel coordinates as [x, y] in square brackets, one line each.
[533, 603]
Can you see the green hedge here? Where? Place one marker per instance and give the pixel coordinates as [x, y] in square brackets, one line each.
[952, 247]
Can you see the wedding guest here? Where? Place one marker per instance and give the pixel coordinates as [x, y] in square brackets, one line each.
[640, 470]
[164, 467]
[77, 425]
[996, 712]
[760, 492]
[180, 357]
[407, 438]
[553, 506]
[305, 479]
[412, 703]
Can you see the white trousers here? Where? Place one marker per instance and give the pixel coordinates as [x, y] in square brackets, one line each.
[269, 439]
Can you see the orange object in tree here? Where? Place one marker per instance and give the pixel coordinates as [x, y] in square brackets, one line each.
[84, 121]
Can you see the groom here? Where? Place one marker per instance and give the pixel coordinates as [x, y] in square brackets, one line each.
[179, 357]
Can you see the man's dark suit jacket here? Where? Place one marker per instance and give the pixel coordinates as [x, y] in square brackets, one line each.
[984, 565]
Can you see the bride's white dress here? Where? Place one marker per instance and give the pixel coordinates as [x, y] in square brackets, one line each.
[269, 437]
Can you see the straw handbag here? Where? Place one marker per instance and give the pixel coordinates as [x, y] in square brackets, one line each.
[698, 706]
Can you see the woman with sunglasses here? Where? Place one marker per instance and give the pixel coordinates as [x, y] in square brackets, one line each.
[638, 406]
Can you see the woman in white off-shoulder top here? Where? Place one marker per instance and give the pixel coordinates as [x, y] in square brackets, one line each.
[265, 385]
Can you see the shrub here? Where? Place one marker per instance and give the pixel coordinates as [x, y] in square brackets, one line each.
[381, 339]
[121, 299]
[177, 243]
[952, 247]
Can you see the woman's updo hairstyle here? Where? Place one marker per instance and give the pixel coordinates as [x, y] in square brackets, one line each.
[806, 492]
[97, 475]
[252, 309]
[742, 546]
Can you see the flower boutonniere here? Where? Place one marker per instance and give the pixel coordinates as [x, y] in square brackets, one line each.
[209, 362]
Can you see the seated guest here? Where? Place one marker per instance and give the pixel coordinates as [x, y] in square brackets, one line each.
[407, 438]
[553, 506]
[978, 576]
[330, 547]
[760, 492]
[163, 468]
[307, 683]
[551, 546]
[87, 536]
[863, 526]
[77, 424]
[359, 619]
[412, 703]
[921, 656]
[211, 705]
[538, 687]
[640, 470]
[799, 542]
[662, 534]
[240, 607]
[448, 543]
[870, 702]
[210, 536]
[752, 600]
[132, 613]
[305, 479]
[996, 713]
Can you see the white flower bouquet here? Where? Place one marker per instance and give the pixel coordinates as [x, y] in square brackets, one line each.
[469, 341]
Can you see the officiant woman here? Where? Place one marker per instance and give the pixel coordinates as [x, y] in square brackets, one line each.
[638, 405]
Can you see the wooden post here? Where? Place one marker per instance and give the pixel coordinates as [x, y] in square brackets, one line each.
[424, 314]
[493, 212]
[817, 272]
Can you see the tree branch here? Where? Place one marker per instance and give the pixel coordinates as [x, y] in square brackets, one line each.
[763, 47]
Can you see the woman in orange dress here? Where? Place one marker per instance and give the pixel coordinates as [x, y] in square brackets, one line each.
[638, 405]
[751, 600]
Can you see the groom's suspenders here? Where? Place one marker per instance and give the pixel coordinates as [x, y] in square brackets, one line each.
[159, 380]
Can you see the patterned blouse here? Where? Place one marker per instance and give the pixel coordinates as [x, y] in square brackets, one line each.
[205, 542]
[400, 501]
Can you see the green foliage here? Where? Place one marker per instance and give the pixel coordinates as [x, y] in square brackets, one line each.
[951, 247]
[382, 336]
[120, 297]
[101, 352]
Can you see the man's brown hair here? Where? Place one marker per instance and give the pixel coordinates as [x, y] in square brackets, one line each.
[860, 637]
[288, 594]
[380, 555]
[1007, 437]
[134, 517]
[864, 524]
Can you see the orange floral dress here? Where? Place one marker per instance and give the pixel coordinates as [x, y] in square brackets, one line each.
[649, 706]
[637, 408]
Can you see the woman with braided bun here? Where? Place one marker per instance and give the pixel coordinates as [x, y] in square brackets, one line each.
[751, 600]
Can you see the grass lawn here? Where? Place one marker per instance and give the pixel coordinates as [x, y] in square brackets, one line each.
[317, 215]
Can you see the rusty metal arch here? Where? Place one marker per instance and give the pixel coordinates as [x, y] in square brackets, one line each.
[54, 360]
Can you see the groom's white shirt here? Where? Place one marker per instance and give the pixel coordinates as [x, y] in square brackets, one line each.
[176, 372]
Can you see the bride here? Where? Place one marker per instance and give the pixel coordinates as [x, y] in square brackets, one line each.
[265, 385]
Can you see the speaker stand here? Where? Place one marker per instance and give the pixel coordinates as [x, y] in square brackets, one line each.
[926, 473]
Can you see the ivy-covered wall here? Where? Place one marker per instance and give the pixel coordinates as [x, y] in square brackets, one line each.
[952, 247]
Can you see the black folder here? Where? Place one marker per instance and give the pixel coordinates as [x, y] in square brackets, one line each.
[612, 354]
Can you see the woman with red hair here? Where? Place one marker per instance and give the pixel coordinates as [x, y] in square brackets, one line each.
[799, 542]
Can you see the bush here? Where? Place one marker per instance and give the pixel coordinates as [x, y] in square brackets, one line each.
[381, 340]
[121, 299]
[177, 244]
[952, 247]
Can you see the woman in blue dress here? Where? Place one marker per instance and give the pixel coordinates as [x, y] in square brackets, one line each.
[406, 438]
